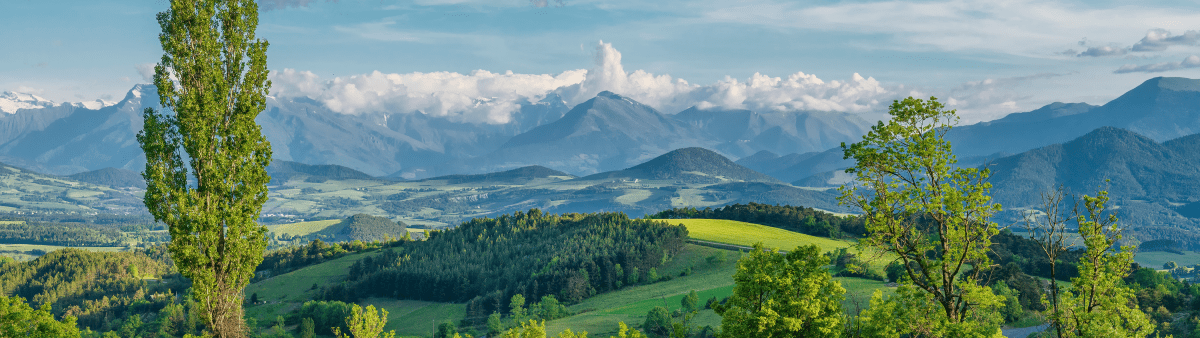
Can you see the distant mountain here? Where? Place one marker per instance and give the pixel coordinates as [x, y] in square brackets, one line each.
[743, 132]
[112, 177]
[689, 165]
[65, 139]
[522, 175]
[283, 171]
[11, 102]
[1161, 109]
[1150, 182]
[608, 132]
[27, 191]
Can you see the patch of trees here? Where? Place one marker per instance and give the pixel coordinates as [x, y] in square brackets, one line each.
[795, 218]
[132, 293]
[367, 228]
[63, 234]
[487, 260]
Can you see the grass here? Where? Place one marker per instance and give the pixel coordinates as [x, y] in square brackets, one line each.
[295, 286]
[599, 315]
[746, 234]
[1156, 259]
[301, 228]
[417, 318]
[49, 248]
[11, 222]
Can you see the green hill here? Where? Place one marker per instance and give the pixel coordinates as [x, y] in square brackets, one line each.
[689, 165]
[521, 175]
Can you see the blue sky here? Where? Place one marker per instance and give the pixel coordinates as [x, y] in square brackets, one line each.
[990, 57]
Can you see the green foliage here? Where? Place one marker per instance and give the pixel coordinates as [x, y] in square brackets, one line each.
[59, 233]
[912, 312]
[918, 205]
[1012, 310]
[517, 309]
[308, 328]
[365, 323]
[366, 228]
[1099, 304]
[658, 322]
[486, 261]
[18, 319]
[324, 315]
[691, 302]
[783, 295]
[495, 325]
[212, 83]
[288, 259]
[799, 219]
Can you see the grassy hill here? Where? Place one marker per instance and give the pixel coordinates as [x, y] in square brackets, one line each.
[112, 177]
[746, 234]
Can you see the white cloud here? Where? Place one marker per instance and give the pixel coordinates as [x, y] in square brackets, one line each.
[1159, 39]
[1192, 61]
[1103, 51]
[483, 96]
[990, 99]
[146, 70]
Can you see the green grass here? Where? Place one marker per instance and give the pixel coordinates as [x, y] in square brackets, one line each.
[48, 248]
[417, 318]
[11, 222]
[746, 234]
[1156, 259]
[599, 315]
[295, 286]
[301, 228]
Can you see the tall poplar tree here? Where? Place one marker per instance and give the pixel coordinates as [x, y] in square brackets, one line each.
[206, 158]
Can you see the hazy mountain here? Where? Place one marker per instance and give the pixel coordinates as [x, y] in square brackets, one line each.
[1160, 108]
[113, 177]
[282, 171]
[1149, 181]
[523, 175]
[66, 139]
[743, 132]
[689, 165]
[608, 132]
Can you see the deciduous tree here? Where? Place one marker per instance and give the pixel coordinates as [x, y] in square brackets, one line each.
[779, 295]
[206, 158]
[919, 206]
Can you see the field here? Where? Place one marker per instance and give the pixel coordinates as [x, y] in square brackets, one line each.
[301, 228]
[746, 234]
[599, 315]
[1156, 259]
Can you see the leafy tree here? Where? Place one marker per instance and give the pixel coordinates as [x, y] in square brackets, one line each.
[308, 328]
[206, 158]
[18, 319]
[517, 309]
[365, 323]
[691, 302]
[1099, 304]
[1012, 310]
[652, 275]
[495, 325]
[783, 296]
[658, 322]
[446, 330]
[917, 205]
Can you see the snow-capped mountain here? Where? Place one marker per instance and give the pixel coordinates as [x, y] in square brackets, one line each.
[10, 102]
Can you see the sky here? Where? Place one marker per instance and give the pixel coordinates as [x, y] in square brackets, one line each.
[985, 58]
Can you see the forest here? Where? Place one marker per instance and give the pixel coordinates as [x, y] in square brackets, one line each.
[486, 261]
[795, 218]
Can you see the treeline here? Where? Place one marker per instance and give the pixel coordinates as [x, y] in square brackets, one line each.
[288, 259]
[799, 219]
[61, 234]
[486, 261]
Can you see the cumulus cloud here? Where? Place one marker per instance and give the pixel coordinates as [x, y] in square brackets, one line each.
[1192, 61]
[990, 99]
[1159, 39]
[483, 96]
[146, 70]
[1103, 51]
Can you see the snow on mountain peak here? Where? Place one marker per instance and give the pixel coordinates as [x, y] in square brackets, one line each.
[10, 102]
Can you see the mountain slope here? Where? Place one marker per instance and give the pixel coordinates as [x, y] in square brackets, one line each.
[283, 171]
[112, 177]
[690, 165]
[1150, 183]
[743, 132]
[522, 175]
[1160, 108]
